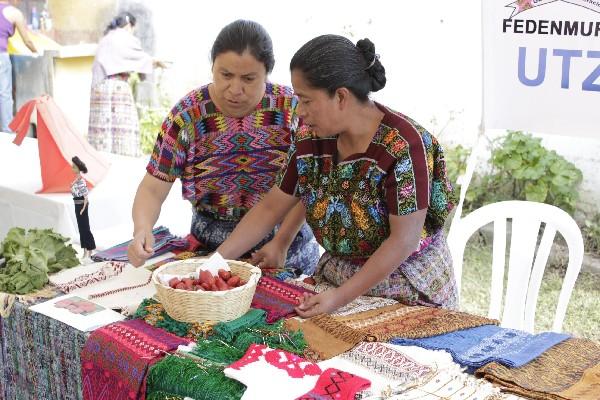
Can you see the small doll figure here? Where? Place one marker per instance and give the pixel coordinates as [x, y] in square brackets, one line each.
[79, 191]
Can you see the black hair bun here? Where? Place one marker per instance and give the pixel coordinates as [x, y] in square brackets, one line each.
[373, 66]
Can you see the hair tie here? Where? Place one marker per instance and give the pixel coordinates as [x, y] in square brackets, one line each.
[375, 58]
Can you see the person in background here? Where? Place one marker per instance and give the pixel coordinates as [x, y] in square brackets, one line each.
[114, 123]
[79, 191]
[10, 18]
[226, 141]
[372, 180]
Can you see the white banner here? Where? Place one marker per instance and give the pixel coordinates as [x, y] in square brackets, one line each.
[541, 66]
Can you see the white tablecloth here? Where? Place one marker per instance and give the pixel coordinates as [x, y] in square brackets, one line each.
[110, 201]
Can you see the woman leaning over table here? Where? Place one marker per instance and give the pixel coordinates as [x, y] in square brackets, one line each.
[226, 142]
[372, 180]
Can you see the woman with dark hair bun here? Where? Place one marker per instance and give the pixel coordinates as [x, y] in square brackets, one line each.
[79, 191]
[226, 141]
[372, 180]
[114, 123]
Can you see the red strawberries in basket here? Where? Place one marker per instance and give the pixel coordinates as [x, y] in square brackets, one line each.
[225, 280]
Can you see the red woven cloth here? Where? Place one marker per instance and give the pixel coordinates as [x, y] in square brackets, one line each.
[277, 298]
[334, 384]
[115, 359]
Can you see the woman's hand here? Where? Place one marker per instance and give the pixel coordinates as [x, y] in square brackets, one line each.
[322, 303]
[140, 247]
[85, 203]
[271, 255]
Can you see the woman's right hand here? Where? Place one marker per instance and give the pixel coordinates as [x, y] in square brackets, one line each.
[140, 247]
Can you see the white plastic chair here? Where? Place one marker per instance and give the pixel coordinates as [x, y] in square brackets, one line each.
[525, 266]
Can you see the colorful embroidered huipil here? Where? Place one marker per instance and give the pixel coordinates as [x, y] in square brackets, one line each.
[348, 202]
[227, 164]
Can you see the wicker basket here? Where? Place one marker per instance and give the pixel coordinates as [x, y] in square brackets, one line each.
[200, 306]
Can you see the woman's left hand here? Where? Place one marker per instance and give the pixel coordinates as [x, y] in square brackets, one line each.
[315, 304]
[85, 203]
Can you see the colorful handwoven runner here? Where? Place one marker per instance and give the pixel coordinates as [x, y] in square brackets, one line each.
[164, 242]
[568, 371]
[277, 298]
[115, 358]
[399, 320]
[478, 346]
[176, 377]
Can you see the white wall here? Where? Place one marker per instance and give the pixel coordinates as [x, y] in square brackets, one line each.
[431, 51]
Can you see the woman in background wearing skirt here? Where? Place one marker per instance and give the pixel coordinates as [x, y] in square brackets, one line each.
[79, 191]
[114, 124]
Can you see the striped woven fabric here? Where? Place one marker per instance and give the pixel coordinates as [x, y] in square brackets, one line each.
[399, 320]
[568, 371]
[164, 242]
[277, 298]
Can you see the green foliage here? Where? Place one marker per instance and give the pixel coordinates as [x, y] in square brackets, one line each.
[456, 161]
[591, 233]
[151, 118]
[150, 122]
[522, 169]
[31, 256]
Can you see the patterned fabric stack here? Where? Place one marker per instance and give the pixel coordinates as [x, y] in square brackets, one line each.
[277, 298]
[478, 346]
[115, 359]
[568, 371]
[399, 320]
[164, 242]
[394, 374]
[39, 356]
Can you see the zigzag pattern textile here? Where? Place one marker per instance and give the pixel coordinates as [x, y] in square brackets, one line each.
[164, 242]
[115, 359]
[277, 298]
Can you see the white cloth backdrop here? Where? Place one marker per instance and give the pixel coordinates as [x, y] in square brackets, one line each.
[542, 81]
[110, 201]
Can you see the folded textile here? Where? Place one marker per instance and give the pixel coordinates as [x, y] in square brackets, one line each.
[231, 347]
[228, 330]
[388, 361]
[78, 277]
[444, 385]
[336, 385]
[277, 298]
[277, 374]
[325, 337]
[481, 345]
[400, 320]
[394, 374]
[115, 358]
[182, 377]
[568, 371]
[164, 242]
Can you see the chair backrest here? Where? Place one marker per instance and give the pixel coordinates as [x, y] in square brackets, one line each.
[526, 265]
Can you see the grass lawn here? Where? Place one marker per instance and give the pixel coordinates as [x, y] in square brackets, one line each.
[583, 313]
